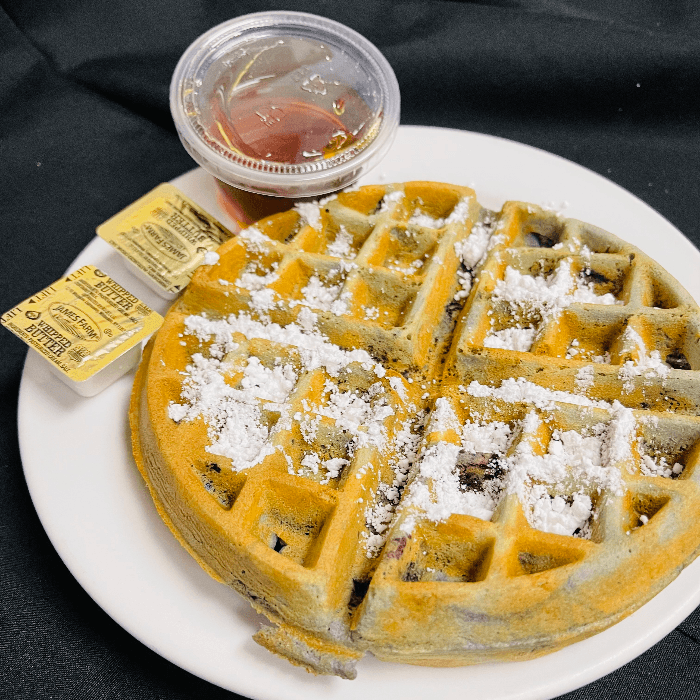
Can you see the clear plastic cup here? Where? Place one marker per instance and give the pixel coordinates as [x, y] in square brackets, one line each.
[286, 105]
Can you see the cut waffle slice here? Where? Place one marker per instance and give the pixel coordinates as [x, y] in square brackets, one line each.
[378, 267]
[493, 558]
[622, 329]
[398, 422]
[267, 475]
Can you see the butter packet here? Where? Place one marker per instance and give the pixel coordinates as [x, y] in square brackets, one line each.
[87, 326]
[166, 237]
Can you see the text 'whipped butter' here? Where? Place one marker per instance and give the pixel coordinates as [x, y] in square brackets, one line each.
[87, 326]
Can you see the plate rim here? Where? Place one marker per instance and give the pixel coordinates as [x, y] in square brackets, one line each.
[549, 689]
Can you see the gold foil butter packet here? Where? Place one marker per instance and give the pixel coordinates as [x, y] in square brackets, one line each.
[87, 326]
[165, 236]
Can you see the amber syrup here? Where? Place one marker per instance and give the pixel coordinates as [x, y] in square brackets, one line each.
[281, 129]
[271, 106]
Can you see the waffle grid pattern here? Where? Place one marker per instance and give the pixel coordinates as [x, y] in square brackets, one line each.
[292, 538]
[650, 302]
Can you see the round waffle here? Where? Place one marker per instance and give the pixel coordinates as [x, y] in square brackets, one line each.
[398, 422]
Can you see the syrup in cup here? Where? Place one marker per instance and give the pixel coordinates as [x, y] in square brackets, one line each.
[281, 107]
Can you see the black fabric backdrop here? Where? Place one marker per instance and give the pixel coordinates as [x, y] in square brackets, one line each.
[85, 129]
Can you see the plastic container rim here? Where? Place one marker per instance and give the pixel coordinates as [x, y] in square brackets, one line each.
[314, 182]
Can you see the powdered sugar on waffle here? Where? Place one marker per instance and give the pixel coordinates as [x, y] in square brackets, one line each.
[521, 391]
[436, 492]
[310, 212]
[318, 295]
[233, 416]
[458, 215]
[361, 415]
[541, 299]
[341, 246]
[389, 199]
[254, 239]
[559, 515]
[519, 339]
[660, 467]
[575, 351]
[253, 282]
[404, 450]
[648, 366]
[555, 488]
[585, 379]
[314, 349]
[472, 251]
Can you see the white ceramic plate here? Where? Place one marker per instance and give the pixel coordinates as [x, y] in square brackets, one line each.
[99, 515]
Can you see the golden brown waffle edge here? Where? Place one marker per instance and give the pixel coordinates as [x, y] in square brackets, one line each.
[335, 549]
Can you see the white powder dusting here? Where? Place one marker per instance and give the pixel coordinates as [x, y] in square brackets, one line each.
[340, 306]
[389, 199]
[547, 296]
[464, 279]
[399, 386]
[657, 465]
[341, 246]
[660, 467]
[314, 349]
[443, 417]
[361, 415]
[472, 251]
[619, 435]
[381, 508]
[576, 352]
[211, 257]
[425, 220]
[333, 467]
[254, 239]
[408, 269]
[310, 212]
[311, 461]
[263, 300]
[437, 492]
[559, 516]
[515, 338]
[585, 379]
[268, 384]
[539, 299]
[318, 295]
[253, 281]
[308, 425]
[649, 366]
[521, 391]
[489, 437]
[458, 215]
[234, 418]
[556, 487]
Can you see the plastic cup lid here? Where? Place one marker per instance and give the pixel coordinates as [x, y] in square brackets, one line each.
[285, 103]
